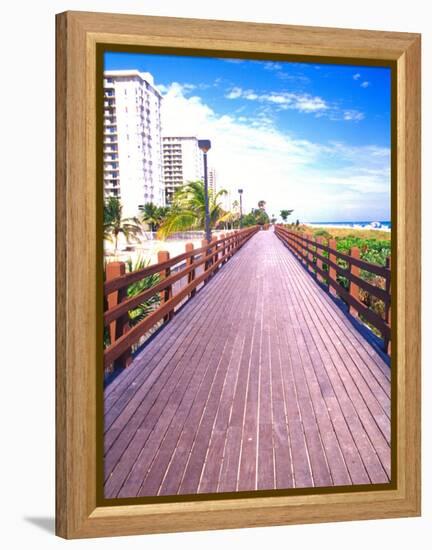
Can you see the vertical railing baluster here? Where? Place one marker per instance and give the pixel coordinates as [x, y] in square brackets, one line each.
[190, 262]
[166, 294]
[353, 287]
[223, 237]
[121, 325]
[332, 271]
[204, 244]
[319, 262]
[310, 252]
[387, 340]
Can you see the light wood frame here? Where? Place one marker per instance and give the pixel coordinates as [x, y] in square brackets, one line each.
[77, 512]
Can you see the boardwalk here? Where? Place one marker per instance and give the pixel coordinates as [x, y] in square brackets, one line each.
[259, 382]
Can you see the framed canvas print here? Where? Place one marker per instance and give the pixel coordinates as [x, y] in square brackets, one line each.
[238, 274]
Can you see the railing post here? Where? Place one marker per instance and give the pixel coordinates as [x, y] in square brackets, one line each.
[310, 252]
[190, 261]
[166, 294]
[387, 341]
[319, 262]
[121, 325]
[214, 249]
[354, 288]
[204, 243]
[223, 237]
[292, 243]
[332, 271]
[304, 251]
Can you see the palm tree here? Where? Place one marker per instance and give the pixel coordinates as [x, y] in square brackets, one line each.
[188, 209]
[285, 213]
[261, 205]
[114, 223]
[229, 219]
[151, 214]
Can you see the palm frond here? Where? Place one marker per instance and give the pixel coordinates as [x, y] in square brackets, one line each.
[178, 221]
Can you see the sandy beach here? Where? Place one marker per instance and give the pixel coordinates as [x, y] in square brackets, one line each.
[148, 249]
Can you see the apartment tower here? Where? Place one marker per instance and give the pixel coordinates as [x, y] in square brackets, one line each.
[182, 162]
[132, 140]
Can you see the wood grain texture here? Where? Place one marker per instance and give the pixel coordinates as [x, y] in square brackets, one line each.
[335, 400]
[78, 34]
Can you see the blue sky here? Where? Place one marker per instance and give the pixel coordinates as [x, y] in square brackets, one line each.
[313, 137]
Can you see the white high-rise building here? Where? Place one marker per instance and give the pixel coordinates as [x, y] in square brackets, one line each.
[132, 140]
[182, 162]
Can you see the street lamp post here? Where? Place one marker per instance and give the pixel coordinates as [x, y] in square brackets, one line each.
[240, 192]
[204, 145]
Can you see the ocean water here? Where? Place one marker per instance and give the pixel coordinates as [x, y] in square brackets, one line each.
[381, 225]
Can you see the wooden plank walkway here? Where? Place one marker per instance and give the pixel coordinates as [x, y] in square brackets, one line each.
[259, 382]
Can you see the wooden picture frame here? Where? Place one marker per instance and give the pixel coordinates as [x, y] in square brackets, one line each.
[78, 513]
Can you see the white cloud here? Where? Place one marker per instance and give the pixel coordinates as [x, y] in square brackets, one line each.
[234, 93]
[162, 88]
[272, 66]
[189, 86]
[319, 180]
[302, 102]
[365, 84]
[352, 114]
[310, 104]
[250, 95]
[289, 100]
[357, 76]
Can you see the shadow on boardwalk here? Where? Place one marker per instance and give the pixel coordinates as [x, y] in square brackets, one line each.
[259, 382]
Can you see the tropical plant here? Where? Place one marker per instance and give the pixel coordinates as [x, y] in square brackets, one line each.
[188, 209]
[142, 310]
[145, 308]
[229, 219]
[255, 217]
[153, 215]
[285, 213]
[261, 205]
[115, 224]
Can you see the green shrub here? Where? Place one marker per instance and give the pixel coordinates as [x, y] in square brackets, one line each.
[322, 233]
[147, 306]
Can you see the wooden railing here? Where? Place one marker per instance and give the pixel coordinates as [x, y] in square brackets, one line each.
[322, 259]
[195, 267]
